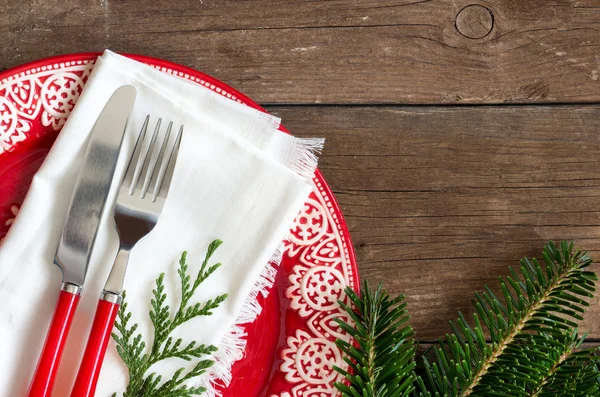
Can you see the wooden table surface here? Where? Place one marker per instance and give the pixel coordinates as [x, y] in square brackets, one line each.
[461, 135]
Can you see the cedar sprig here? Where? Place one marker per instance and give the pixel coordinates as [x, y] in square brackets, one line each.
[132, 348]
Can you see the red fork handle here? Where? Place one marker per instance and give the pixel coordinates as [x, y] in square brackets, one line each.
[87, 377]
[45, 373]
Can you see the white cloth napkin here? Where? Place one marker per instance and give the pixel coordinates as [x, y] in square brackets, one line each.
[237, 179]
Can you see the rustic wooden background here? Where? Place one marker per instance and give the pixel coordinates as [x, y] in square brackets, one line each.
[461, 134]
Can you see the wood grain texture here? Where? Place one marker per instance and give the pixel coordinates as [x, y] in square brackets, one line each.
[440, 201]
[338, 51]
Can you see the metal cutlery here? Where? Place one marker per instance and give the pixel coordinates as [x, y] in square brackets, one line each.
[79, 232]
[139, 203]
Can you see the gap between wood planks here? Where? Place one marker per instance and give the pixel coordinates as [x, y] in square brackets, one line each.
[440, 200]
[377, 78]
[347, 51]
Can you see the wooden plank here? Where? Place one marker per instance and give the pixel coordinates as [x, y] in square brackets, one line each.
[441, 200]
[339, 51]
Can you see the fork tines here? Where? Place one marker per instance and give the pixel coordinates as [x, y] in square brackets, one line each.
[151, 161]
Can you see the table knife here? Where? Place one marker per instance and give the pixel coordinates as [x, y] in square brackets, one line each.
[86, 208]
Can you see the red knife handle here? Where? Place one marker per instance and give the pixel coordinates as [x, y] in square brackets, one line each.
[45, 373]
[87, 377]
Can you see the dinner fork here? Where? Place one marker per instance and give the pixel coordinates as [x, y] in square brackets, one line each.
[140, 201]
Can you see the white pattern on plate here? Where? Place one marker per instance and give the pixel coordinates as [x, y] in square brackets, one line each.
[317, 283]
[51, 90]
[48, 93]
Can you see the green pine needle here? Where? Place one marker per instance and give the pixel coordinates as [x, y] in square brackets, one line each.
[530, 328]
[524, 343]
[133, 349]
[572, 370]
[381, 357]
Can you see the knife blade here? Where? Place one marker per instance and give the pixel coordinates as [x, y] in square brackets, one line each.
[92, 187]
[79, 232]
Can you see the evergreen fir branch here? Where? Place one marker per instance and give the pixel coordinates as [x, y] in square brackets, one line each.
[381, 355]
[133, 349]
[530, 330]
[573, 372]
[523, 343]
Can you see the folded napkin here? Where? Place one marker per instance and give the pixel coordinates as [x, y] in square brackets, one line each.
[237, 179]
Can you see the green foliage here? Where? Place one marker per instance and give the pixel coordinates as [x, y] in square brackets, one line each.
[381, 359]
[573, 371]
[133, 349]
[525, 344]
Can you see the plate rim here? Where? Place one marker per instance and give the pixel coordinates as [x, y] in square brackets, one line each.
[6, 74]
[87, 57]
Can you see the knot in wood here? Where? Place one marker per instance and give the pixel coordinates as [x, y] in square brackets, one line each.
[475, 21]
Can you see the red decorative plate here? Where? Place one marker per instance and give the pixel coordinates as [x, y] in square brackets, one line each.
[290, 346]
